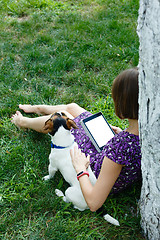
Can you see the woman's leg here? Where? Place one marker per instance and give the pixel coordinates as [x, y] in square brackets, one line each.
[72, 108]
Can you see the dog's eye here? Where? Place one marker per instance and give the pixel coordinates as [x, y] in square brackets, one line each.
[63, 114]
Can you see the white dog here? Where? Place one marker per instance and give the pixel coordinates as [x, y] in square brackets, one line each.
[58, 127]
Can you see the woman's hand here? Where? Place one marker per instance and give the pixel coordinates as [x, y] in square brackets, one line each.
[116, 129]
[79, 160]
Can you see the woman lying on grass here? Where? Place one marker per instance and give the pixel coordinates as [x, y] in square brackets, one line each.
[118, 165]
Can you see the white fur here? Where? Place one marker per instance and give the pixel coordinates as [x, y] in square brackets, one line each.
[60, 159]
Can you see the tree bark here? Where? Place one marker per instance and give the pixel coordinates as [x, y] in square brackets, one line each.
[149, 115]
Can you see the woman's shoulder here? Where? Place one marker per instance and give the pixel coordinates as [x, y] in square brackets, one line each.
[122, 147]
[125, 140]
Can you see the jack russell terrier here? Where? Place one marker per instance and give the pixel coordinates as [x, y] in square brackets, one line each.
[58, 127]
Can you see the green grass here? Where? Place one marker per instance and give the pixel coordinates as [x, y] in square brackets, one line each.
[56, 52]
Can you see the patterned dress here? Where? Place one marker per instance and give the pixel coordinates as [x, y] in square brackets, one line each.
[123, 148]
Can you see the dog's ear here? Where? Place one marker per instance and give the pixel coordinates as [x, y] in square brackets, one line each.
[48, 125]
[71, 124]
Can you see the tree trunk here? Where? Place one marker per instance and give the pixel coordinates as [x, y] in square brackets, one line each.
[149, 115]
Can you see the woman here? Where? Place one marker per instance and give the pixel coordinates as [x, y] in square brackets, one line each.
[118, 165]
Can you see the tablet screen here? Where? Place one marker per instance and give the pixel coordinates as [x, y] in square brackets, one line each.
[98, 129]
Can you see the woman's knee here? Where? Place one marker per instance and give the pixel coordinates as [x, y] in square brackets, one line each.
[74, 109]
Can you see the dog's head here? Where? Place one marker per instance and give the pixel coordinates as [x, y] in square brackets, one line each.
[56, 120]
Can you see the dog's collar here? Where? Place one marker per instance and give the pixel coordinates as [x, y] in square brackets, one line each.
[59, 147]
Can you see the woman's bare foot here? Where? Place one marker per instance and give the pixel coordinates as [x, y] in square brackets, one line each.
[27, 108]
[17, 119]
[36, 123]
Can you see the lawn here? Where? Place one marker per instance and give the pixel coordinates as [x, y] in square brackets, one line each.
[56, 52]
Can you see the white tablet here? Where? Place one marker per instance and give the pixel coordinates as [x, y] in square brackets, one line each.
[98, 130]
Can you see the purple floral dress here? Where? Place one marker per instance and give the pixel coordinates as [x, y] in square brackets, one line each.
[123, 148]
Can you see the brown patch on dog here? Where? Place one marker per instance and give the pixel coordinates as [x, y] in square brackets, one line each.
[48, 125]
[71, 124]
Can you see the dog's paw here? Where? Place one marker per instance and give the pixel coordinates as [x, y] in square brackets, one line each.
[59, 193]
[46, 177]
[111, 220]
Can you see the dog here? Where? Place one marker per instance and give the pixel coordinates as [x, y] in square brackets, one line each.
[58, 126]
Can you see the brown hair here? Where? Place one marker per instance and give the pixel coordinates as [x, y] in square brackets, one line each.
[125, 94]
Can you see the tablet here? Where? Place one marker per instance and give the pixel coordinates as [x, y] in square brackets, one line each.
[98, 130]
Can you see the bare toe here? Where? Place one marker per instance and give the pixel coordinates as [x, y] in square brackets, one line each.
[17, 119]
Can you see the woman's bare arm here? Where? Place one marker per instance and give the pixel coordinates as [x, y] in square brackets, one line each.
[96, 195]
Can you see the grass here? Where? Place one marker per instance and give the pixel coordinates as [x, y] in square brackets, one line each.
[60, 52]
